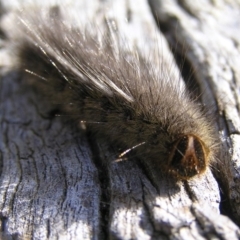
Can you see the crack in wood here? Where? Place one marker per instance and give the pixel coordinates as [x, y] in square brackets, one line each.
[103, 177]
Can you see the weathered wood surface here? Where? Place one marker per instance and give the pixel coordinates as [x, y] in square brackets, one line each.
[53, 180]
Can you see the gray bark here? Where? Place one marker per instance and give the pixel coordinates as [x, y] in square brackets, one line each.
[53, 180]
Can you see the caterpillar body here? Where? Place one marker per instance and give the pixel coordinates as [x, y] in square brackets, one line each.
[94, 80]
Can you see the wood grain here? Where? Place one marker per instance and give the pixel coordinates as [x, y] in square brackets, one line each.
[54, 182]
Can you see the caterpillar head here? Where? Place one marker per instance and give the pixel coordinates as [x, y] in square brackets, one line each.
[188, 157]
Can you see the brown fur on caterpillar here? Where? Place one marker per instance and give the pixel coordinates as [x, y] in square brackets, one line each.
[120, 88]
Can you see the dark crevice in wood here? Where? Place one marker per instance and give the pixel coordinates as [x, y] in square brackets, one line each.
[234, 91]
[185, 7]
[226, 122]
[2, 36]
[225, 204]
[208, 229]
[146, 207]
[129, 13]
[188, 190]
[222, 180]
[185, 67]
[166, 27]
[20, 178]
[103, 177]
[225, 201]
[202, 229]
[157, 236]
[63, 173]
[48, 228]
[169, 30]
[187, 72]
[3, 223]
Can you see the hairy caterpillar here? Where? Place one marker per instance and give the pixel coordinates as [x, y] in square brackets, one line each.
[95, 80]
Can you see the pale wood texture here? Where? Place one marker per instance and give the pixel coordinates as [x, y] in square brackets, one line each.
[54, 183]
